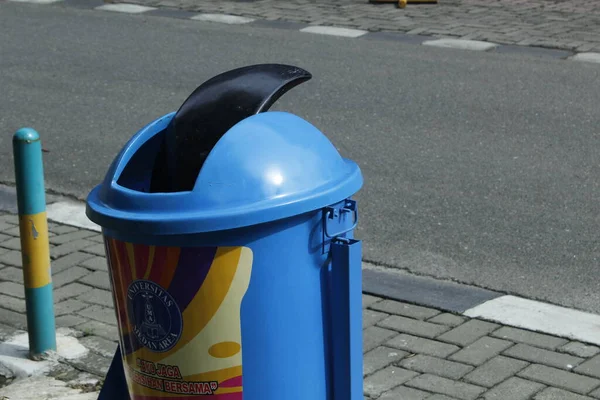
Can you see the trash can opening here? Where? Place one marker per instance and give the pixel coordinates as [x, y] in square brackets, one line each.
[137, 173]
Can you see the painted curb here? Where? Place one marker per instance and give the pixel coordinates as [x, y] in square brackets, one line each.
[70, 213]
[431, 41]
[587, 57]
[461, 44]
[334, 31]
[36, 1]
[125, 8]
[541, 317]
[396, 284]
[471, 301]
[223, 19]
[475, 302]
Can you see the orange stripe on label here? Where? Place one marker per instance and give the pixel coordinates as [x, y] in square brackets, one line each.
[131, 257]
[151, 250]
[120, 286]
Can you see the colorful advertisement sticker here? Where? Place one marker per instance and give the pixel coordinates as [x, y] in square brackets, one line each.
[178, 311]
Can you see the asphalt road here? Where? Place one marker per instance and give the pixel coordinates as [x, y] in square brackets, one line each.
[479, 167]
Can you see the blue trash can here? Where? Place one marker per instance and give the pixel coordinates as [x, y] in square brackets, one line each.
[246, 287]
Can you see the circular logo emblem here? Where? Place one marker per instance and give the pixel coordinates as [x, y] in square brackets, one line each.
[155, 316]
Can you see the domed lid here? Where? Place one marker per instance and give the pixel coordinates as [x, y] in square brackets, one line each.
[266, 167]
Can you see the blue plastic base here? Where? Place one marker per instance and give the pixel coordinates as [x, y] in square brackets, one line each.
[301, 316]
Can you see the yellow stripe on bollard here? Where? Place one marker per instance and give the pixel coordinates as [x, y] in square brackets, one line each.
[35, 250]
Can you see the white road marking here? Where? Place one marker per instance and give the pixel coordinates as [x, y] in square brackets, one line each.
[334, 31]
[540, 317]
[587, 57]
[222, 18]
[125, 8]
[461, 44]
[70, 213]
[36, 1]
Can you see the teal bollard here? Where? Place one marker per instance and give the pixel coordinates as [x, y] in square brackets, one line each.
[35, 249]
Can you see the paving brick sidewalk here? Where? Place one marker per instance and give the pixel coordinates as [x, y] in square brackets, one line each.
[411, 352]
[563, 24]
